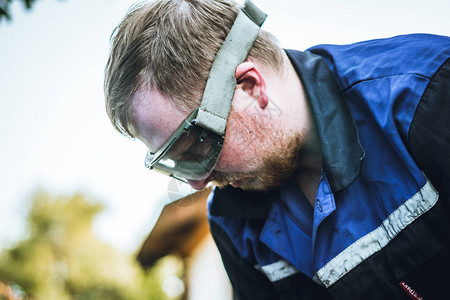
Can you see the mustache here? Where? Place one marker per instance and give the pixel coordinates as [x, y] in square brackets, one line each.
[222, 179]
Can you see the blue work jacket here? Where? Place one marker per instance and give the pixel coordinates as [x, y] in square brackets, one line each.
[378, 218]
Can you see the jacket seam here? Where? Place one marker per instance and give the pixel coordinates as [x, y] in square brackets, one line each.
[408, 137]
[382, 77]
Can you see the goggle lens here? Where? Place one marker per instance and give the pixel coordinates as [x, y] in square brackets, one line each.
[192, 154]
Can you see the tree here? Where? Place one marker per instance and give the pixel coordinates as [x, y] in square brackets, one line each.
[62, 259]
[5, 7]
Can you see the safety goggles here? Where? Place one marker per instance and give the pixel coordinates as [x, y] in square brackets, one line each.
[190, 153]
[194, 148]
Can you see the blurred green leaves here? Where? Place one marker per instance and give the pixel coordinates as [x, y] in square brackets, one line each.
[61, 258]
[5, 6]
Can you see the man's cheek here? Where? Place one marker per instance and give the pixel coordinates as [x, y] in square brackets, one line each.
[231, 159]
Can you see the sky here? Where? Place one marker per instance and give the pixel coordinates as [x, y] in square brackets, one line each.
[57, 137]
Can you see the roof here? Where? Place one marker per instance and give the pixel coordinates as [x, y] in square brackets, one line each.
[181, 226]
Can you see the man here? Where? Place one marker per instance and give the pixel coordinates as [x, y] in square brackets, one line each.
[333, 164]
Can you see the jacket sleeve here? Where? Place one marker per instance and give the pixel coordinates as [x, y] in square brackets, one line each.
[247, 281]
[429, 134]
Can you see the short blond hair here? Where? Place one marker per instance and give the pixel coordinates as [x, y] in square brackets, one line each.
[170, 45]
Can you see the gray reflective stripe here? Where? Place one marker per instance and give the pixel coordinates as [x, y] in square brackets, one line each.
[278, 270]
[219, 90]
[373, 242]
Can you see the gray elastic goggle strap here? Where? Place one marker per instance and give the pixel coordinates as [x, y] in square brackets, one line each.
[221, 84]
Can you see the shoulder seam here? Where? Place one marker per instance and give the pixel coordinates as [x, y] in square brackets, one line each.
[382, 77]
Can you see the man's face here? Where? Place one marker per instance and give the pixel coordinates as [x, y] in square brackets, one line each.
[256, 154]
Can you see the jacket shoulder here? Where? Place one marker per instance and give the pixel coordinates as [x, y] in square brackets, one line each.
[419, 54]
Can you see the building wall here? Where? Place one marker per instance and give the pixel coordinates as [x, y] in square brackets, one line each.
[207, 277]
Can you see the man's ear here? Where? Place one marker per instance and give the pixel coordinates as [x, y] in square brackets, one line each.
[251, 81]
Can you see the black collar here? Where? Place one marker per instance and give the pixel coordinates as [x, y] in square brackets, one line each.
[342, 152]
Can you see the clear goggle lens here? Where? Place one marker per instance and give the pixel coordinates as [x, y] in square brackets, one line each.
[191, 153]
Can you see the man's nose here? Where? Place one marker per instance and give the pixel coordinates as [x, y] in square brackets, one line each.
[198, 184]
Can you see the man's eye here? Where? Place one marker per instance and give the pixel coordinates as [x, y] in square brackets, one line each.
[181, 146]
[190, 157]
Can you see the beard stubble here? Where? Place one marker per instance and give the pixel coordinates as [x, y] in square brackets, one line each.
[276, 154]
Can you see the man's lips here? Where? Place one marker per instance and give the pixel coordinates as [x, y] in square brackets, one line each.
[200, 184]
[217, 178]
[237, 183]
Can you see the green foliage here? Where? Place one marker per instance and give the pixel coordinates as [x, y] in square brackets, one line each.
[5, 8]
[62, 259]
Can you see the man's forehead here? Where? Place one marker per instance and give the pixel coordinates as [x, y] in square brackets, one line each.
[156, 117]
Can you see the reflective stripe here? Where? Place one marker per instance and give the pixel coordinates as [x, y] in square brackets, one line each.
[373, 242]
[278, 270]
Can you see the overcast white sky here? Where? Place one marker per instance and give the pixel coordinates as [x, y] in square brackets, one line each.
[55, 133]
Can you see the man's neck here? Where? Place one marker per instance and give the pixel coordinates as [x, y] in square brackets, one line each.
[286, 90]
[310, 170]
[308, 180]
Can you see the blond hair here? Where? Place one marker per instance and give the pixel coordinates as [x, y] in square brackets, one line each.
[170, 45]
